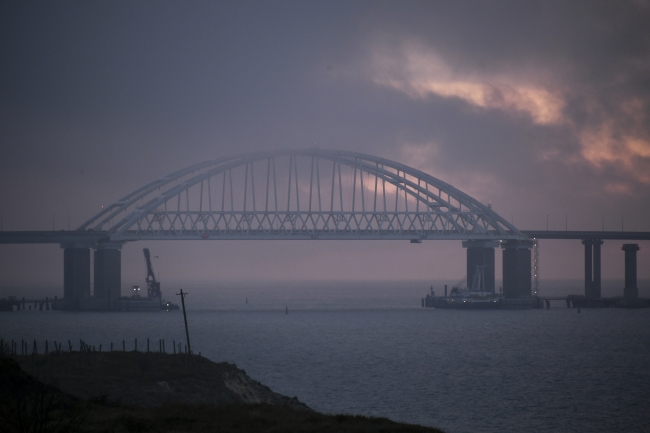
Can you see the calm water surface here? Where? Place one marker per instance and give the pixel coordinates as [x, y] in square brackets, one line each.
[368, 348]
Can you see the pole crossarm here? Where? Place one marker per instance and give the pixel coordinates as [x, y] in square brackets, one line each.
[300, 194]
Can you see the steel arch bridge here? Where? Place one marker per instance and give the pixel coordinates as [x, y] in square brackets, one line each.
[299, 194]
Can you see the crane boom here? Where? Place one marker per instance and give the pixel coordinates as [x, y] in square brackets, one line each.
[153, 286]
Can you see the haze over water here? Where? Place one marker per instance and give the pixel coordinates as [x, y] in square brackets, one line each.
[368, 348]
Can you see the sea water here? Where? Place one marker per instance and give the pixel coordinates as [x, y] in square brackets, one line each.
[369, 348]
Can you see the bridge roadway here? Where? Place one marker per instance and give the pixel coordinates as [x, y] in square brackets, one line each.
[587, 234]
[53, 237]
[98, 237]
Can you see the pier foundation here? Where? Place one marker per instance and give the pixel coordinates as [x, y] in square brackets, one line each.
[76, 274]
[517, 269]
[631, 291]
[108, 274]
[592, 268]
[480, 259]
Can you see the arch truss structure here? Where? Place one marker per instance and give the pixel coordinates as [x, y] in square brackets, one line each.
[300, 194]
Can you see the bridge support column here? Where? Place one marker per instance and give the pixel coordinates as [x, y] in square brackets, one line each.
[631, 291]
[592, 268]
[588, 266]
[517, 269]
[108, 274]
[596, 288]
[480, 259]
[76, 274]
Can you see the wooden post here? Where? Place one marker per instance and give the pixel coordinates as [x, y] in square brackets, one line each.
[187, 333]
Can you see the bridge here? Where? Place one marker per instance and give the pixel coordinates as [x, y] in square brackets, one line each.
[303, 194]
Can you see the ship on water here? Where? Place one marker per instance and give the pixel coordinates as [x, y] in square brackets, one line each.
[153, 301]
[475, 297]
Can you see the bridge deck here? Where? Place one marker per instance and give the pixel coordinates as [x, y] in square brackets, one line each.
[588, 234]
[92, 237]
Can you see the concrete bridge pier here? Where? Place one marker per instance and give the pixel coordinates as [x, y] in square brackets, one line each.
[592, 268]
[631, 291]
[76, 274]
[480, 258]
[517, 269]
[108, 274]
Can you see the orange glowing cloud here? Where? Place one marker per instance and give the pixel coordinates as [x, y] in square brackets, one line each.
[611, 144]
[421, 73]
[618, 140]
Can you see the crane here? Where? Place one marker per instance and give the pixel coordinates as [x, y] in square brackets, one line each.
[153, 286]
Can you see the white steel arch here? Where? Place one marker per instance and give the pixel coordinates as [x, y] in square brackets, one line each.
[300, 194]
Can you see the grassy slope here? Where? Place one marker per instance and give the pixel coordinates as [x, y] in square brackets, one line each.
[197, 396]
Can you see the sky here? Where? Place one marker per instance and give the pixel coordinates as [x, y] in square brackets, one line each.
[539, 107]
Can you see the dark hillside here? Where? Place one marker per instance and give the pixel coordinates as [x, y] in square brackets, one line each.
[149, 379]
[154, 392]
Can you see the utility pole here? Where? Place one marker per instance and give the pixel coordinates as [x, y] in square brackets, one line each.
[187, 333]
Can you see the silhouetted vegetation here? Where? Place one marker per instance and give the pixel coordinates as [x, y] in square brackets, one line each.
[29, 405]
